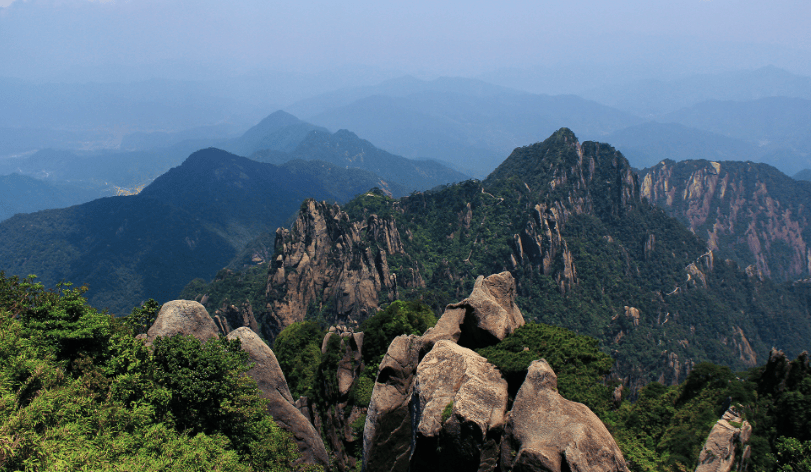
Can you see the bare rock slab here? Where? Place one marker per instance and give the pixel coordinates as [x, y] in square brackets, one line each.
[388, 431]
[546, 432]
[484, 318]
[718, 453]
[461, 403]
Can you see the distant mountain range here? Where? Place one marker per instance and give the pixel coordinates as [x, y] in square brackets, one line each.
[278, 139]
[650, 98]
[22, 194]
[471, 132]
[189, 222]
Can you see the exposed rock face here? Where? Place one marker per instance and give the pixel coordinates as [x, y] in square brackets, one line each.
[540, 244]
[230, 317]
[486, 317]
[751, 210]
[718, 453]
[271, 382]
[461, 402]
[182, 317]
[546, 432]
[320, 262]
[337, 421]
[388, 431]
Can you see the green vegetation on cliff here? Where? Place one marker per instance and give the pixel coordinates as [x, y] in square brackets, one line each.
[79, 392]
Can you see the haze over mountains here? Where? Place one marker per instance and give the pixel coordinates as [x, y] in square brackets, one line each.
[759, 115]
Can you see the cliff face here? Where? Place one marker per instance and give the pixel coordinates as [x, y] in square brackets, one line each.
[327, 263]
[751, 211]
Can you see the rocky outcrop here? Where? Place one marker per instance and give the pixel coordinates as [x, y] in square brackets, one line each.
[437, 405]
[272, 384]
[388, 431]
[326, 260]
[484, 318]
[541, 244]
[182, 317]
[231, 317]
[339, 422]
[730, 434]
[460, 402]
[752, 211]
[546, 432]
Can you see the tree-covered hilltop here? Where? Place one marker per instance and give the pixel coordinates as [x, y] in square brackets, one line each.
[78, 391]
[566, 219]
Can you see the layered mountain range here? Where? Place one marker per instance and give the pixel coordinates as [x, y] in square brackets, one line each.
[569, 221]
[190, 222]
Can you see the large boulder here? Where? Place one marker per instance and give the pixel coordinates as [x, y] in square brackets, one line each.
[387, 433]
[484, 318]
[461, 403]
[546, 432]
[718, 453]
[272, 384]
[183, 317]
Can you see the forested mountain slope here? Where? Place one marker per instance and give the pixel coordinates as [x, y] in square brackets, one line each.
[188, 223]
[568, 221]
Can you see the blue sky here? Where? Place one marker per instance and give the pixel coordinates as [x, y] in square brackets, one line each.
[46, 38]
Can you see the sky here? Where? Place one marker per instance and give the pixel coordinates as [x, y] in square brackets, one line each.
[84, 39]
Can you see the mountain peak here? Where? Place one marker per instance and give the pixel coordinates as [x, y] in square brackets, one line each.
[592, 177]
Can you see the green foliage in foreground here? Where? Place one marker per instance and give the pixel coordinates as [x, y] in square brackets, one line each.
[79, 392]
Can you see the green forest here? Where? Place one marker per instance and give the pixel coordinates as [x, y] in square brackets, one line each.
[78, 391]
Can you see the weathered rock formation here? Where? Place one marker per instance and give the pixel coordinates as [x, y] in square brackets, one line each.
[758, 216]
[230, 317]
[729, 434]
[546, 432]
[388, 431]
[484, 318]
[337, 420]
[272, 384]
[182, 317]
[327, 260]
[448, 409]
[460, 402]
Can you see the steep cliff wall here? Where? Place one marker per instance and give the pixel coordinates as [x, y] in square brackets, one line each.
[752, 212]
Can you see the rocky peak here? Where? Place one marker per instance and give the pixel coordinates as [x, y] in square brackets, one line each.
[327, 261]
[592, 178]
[730, 434]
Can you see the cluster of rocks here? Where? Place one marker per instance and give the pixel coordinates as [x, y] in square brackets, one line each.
[436, 404]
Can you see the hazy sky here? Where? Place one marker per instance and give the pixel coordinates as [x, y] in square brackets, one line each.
[46, 38]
